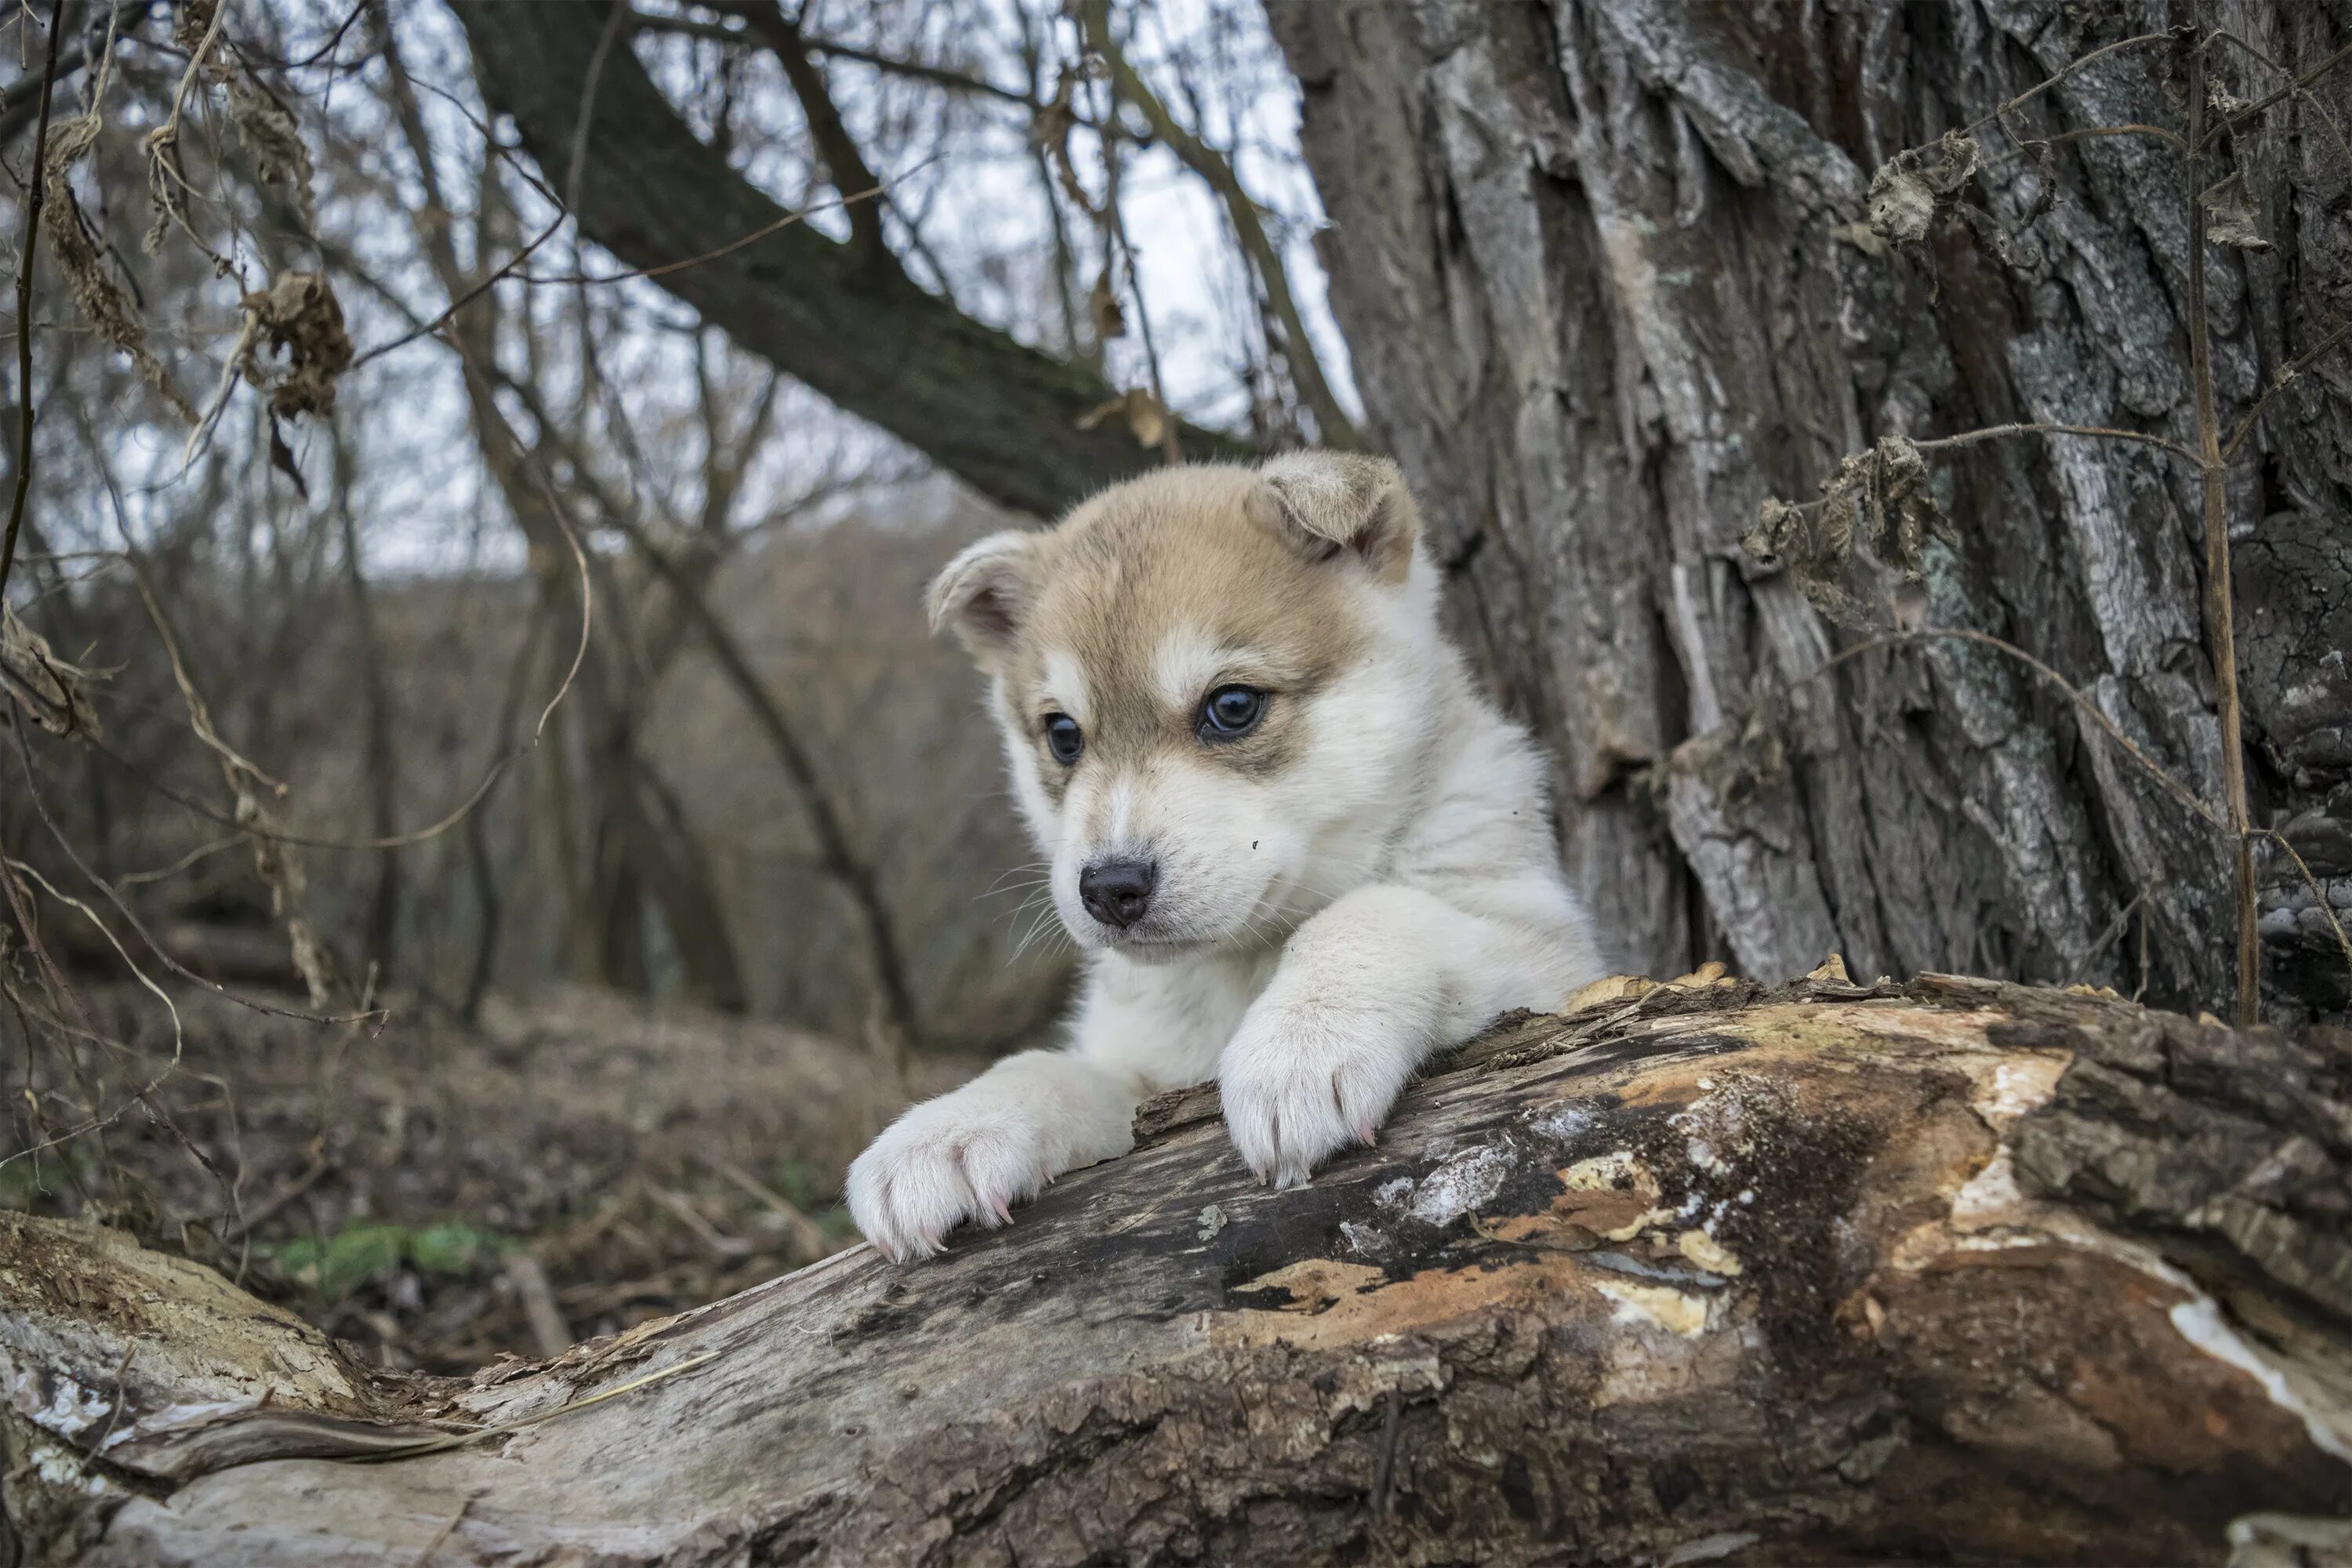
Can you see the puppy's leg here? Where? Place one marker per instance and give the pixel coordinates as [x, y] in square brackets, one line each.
[975, 1151]
[1366, 990]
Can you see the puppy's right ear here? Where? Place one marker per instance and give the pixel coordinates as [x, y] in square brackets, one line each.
[983, 592]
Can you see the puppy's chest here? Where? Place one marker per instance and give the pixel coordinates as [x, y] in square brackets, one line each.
[1187, 1015]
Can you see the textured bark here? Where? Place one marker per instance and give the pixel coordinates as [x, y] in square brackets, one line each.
[1603, 267]
[1827, 1274]
[840, 317]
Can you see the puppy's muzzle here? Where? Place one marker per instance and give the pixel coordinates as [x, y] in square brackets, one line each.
[1117, 892]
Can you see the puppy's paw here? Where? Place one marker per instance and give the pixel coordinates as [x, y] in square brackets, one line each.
[1301, 1083]
[973, 1153]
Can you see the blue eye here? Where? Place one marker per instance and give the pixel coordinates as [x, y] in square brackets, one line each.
[1063, 737]
[1231, 711]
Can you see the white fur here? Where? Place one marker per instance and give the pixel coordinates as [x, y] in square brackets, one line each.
[1317, 935]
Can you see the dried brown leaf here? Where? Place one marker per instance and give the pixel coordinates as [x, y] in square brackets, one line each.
[268, 131]
[2232, 216]
[1103, 306]
[1145, 415]
[299, 317]
[1878, 506]
[54, 694]
[101, 300]
[193, 20]
[1910, 189]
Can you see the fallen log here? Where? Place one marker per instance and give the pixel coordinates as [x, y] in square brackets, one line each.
[1951, 1269]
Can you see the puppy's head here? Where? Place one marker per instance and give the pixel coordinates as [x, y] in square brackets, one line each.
[1210, 682]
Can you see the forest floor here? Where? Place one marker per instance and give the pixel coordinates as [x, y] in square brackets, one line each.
[443, 1195]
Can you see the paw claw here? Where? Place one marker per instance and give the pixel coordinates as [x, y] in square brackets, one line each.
[1368, 1136]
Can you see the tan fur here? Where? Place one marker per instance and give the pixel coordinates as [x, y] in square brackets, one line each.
[1182, 551]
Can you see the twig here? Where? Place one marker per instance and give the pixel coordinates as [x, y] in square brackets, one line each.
[2285, 377]
[457, 814]
[162, 956]
[448, 1528]
[2069, 68]
[578, 164]
[764, 231]
[1970, 437]
[2114, 928]
[179, 1039]
[122, 1392]
[2317, 892]
[2221, 626]
[287, 1191]
[2200, 136]
[2295, 86]
[2092, 132]
[890, 65]
[717, 1242]
[1384, 1462]
[164, 873]
[21, 95]
[26, 256]
[810, 1238]
[2180, 791]
[549, 1334]
[1331, 421]
[488, 281]
[417, 1447]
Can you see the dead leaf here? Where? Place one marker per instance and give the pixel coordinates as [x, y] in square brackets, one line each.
[1602, 992]
[1103, 306]
[1145, 415]
[1910, 188]
[299, 315]
[54, 694]
[100, 298]
[267, 130]
[1831, 971]
[1879, 503]
[2225, 105]
[2232, 217]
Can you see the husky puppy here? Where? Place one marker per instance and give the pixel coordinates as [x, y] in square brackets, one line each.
[1302, 850]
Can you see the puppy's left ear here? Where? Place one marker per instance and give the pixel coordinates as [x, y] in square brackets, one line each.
[1334, 503]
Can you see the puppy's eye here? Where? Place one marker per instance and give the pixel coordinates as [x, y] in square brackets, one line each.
[1231, 711]
[1063, 737]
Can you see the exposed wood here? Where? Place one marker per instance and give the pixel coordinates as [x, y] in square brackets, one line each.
[1604, 272]
[1830, 1273]
[1002, 417]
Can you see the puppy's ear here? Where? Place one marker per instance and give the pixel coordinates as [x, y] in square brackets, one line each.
[1330, 503]
[983, 592]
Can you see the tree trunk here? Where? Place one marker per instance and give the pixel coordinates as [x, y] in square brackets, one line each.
[1606, 271]
[1825, 1274]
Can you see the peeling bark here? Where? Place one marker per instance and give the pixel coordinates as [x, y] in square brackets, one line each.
[1603, 268]
[1826, 1273]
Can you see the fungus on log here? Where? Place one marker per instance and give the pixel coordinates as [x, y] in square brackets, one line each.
[1686, 1273]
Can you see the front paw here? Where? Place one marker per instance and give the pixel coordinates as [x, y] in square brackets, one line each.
[1301, 1083]
[973, 1153]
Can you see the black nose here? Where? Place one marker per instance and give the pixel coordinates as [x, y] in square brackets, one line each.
[1117, 892]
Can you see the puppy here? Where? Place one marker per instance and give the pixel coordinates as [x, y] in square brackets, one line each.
[1301, 850]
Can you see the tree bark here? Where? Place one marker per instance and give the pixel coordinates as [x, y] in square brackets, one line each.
[999, 415]
[1824, 1274]
[1606, 271]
